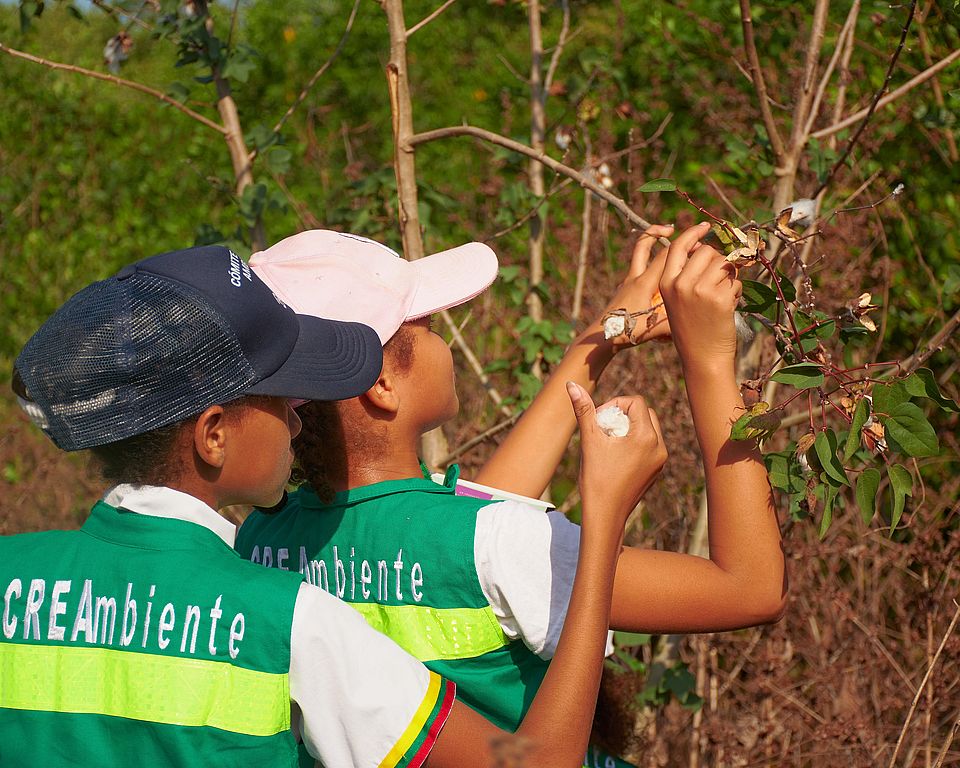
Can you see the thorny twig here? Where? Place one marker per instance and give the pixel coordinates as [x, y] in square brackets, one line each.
[873, 105]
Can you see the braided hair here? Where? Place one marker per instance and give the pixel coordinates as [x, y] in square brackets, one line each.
[325, 441]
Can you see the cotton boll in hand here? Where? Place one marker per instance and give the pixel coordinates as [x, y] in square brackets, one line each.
[613, 422]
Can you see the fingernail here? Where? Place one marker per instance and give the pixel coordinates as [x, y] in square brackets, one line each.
[573, 390]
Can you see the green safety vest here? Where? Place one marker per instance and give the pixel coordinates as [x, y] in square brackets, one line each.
[142, 640]
[401, 552]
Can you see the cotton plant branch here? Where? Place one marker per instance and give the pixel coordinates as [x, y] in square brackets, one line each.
[515, 146]
[923, 685]
[844, 43]
[558, 49]
[423, 22]
[474, 363]
[876, 100]
[483, 436]
[554, 189]
[756, 76]
[804, 104]
[895, 94]
[122, 82]
[316, 75]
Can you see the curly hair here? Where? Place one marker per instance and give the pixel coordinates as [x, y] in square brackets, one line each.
[322, 446]
[156, 457]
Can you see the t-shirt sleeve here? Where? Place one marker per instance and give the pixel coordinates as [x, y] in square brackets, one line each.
[363, 700]
[526, 560]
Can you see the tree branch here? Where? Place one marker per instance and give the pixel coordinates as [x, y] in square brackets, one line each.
[923, 684]
[474, 363]
[429, 18]
[132, 85]
[876, 100]
[316, 75]
[558, 50]
[756, 76]
[845, 32]
[542, 157]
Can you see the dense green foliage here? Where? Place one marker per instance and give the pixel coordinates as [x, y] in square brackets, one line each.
[95, 176]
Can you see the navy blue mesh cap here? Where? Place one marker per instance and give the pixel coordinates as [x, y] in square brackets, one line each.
[173, 334]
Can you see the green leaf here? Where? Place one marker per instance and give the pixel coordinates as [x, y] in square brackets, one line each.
[901, 485]
[630, 639]
[659, 185]
[784, 471]
[755, 425]
[860, 414]
[826, 448]
[827, 517]
[801, 375]
[178, 91]
[758, 297]
[887, 396]
[278, 159]
[921, 383]
[786, 287]
[866, 493]
[906, 425]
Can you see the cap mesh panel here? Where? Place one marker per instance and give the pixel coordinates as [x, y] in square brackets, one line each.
[124, 357]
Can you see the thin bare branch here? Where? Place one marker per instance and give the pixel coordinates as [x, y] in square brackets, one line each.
[429, 18]
[474, 363]
[756, 75]
[933, 346]
[114, 11]
[923, 684]
[511, 69]
[132, 85]
[805, 97]
[890, 97]
[558, 50]
[529, 214]
[485, 435]
[233, 22]
[844, 41]
[841, 161]
[585, 224]
[318, 74]
[542, 157]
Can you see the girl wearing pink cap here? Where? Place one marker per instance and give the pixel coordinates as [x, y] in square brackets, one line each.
[478, 589]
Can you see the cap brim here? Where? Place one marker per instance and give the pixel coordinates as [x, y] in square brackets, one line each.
[331, 360]
[450, 278]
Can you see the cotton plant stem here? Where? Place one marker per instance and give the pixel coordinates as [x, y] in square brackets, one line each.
[475, 364]
[895, 94]
[874, 103]
[123, 83]
[423, 22]
[922, 686]
[542, 157]
[316, 75]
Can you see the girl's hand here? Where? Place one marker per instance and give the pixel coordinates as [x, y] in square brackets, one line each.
[615, 472]
[701, 291]
[640, 291]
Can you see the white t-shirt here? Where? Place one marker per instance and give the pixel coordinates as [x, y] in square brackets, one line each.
[360, 696]
[526, 561]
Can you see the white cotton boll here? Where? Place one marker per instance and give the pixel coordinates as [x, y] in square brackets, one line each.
[613, 326]
[612, 421]
[744, 331]
[803, 211]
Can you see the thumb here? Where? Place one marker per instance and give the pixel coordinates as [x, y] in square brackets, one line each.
[583, 406]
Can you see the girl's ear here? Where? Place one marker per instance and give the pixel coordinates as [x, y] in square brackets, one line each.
[384, 394]
[210, 436]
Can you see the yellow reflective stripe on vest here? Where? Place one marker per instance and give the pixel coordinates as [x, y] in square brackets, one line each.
[431, 634]
[142, 686]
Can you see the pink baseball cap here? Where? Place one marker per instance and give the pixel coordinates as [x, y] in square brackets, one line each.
[339, 276]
